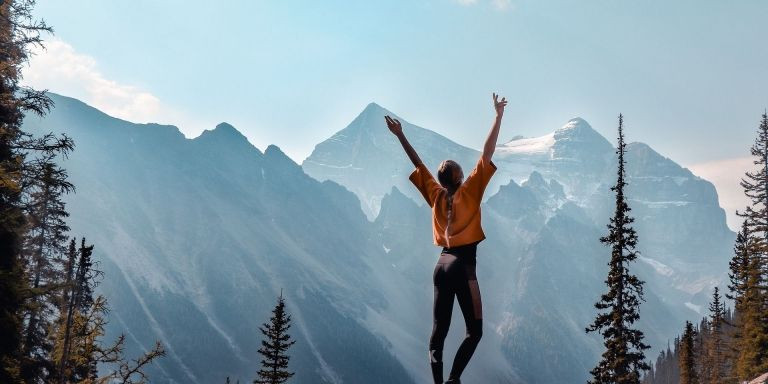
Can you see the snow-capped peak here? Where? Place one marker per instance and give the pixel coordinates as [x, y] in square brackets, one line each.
[577, 128]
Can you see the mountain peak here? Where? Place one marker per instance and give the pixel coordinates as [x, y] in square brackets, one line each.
[373, 107]
[225, 127]
[273, 150]
[576, 127]
[224, 133]
[535, 180]
[577, 139]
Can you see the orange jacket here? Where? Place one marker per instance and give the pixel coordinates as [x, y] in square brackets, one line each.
[465, 226]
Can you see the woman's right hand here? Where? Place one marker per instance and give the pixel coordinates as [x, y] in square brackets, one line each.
[394, 126]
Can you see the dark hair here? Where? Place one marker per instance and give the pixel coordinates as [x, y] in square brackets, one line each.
[446, 176]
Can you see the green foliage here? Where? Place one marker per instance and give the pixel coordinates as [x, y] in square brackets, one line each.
[623, 359]
[687, 358]
[749, 267]
[20, 155]
[274, 363]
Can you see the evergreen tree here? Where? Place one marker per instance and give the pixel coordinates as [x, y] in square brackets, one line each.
[701, 338]
[738, 266]
[44, 246]
[19, 31]
[274, 361]
[715, 349]
[79, 302]
[752, 302]
[687, 359]
[77, 336]
[624, 359]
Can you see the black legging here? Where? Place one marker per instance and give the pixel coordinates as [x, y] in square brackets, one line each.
[455, 276]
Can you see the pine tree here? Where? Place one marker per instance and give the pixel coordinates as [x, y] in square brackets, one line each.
[19, 31]
[273, 350]
[79, 302]
[624, 359]
[77, 335]
[687, 359]
[701, 338]
[715, 348]
[738, 266]
[752, 295]
[44, 247]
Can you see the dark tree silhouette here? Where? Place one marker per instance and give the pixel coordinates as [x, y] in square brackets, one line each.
[739, 265]
[19, 151]
[274, 348]
[715, 344]
[687, 357]
[79, 300]
[623, 359]
[44, 248]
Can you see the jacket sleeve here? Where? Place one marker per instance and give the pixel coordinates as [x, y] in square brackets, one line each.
[477, 180]
[426, 184]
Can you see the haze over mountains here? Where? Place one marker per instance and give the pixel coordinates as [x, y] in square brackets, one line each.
[198, 236]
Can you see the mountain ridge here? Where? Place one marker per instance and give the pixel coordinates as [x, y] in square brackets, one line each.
[189, 229]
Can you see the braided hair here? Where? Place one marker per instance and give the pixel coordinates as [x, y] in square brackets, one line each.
[446, 176]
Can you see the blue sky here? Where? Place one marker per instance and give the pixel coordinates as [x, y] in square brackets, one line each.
[689, 75]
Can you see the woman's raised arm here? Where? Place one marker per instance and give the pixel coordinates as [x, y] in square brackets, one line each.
[395, 127]
[493, 136]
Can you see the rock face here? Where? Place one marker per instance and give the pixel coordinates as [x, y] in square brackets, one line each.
[368, 160]
[198, 236]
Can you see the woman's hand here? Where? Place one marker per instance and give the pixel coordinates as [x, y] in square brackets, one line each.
[493, 136]
[394, 125]
[499, 105]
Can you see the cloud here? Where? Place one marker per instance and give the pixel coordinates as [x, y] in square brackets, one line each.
[725, 175]
[61, 69]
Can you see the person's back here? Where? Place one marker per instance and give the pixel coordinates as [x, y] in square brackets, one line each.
[456, 226]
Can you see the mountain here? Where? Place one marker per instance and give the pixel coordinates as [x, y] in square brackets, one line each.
[546, 207]
[366, 159]
[197, 237]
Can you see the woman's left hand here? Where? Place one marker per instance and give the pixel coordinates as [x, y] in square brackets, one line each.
[394, 125]
[499, 105]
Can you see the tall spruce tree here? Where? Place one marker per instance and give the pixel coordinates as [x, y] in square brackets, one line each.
[701, 338]
[80, 299]
[738, 267]
[687, 356]
[715, 344]
[623, 360]
[274, 363]
[44, 250]
[752, 302]
[19, 31]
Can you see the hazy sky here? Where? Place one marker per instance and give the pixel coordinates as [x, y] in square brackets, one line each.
[691, 77]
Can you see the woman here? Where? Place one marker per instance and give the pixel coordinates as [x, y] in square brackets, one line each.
[456, 227]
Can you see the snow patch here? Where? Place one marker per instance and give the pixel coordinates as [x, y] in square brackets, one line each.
[662, 204]
[535, 145]
[661, 268]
